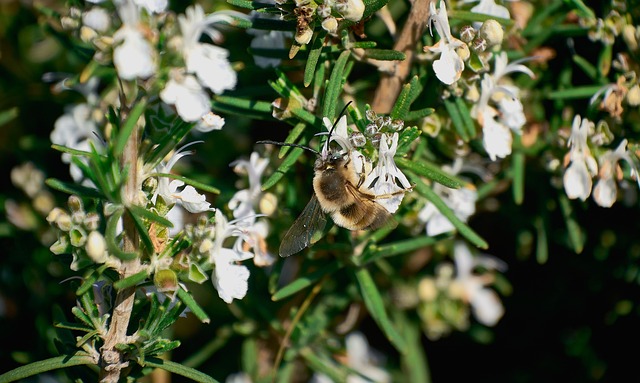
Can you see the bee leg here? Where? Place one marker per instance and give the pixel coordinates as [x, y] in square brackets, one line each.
[395, 193]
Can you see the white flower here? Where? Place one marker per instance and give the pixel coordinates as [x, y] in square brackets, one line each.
[449, 66]
[153, 6]
[229, 278]
[489, 7]
[362, 359]
[577, 177]
[382, 180]
[606, 191]
[97, 19]
[267, 39]
[210, 63]
[351, 10]
[461, 201]
[189, 198]
[244, 201]
[485, 303]
[186, 93]
[76, 129]
[209, 122]
[497, 127]
[338, 133]
[238, 377]
[133, 55]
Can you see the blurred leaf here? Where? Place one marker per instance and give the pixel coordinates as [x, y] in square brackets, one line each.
[384, 54]
[576, 237]
[75, 189]
[467, 121]
[8, 115]
[542, 245]
[575, 92]
[305, 281]
[179, 369]
[188, 181]
[517, 171]
[457, 120]
[375, 305]
[374, 252]
[586, 66]
[471, 16]
[324, 365]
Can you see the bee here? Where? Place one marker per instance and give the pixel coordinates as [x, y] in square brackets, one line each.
[338, 192]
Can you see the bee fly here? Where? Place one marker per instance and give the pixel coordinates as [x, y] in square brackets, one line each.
[337, 192]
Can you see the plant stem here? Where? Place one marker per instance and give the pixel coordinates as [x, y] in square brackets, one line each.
[113, 361]
[391, 83]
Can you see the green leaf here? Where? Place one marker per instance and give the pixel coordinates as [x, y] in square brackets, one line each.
[39, 367]
[469, 125]
[414, 362]
[517, 170]
[131, 280]
[314, 55]
[111, 235]
[407, 96]
[291, 159]
[375, 305]
[384, 54]
[188, 300]
[407, 137]
[8, 115]
[581, 8]
[305, 281]
[481, 17]
[324, 365]
[75, 152]
[179, 369]
[246, 4]
[430, 171]
[576, 237]
[297, 130]
[128, 126]
[205, 352]
[456, 119]
[586, 66]
[418, 114]
[334, 86]
[574, 92]
[462, 228]
[542, 243]
[90, 278]
[374, 252]
[70, 188]
[364, 44]
[168, 143]
[149, 215]
[142, 230]
[242, 107]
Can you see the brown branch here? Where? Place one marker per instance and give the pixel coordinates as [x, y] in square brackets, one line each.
[391, 83]
[113, 362]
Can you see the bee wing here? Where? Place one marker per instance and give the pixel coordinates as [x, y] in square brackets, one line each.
[301, 234]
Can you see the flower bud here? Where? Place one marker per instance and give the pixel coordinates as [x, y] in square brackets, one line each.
[371, 129]
[479, 45]
[633, 96]
[629, 35]
[397, 125]
[352, 10]
[75, 204]
[304, 36]
[371, 115]
[427, 290]
[96, 247]
[165, 280]
[330, 24]
[323, 11]
[91, 221]
[268, 203]
[63, 222]
[467, 33]
[150, 185]
[463, 52]
[357, 139]
[53, 215]
[492, 32]
[205, 246]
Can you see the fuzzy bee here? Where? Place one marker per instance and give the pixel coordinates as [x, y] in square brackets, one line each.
[338, 191]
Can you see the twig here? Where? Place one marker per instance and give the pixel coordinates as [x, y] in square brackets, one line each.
[391, 84]
[113, 361]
